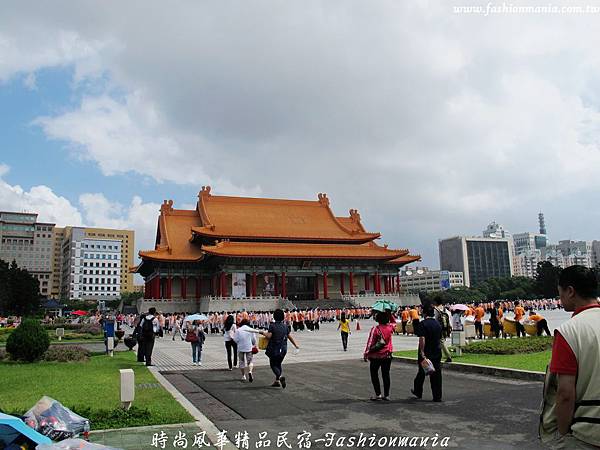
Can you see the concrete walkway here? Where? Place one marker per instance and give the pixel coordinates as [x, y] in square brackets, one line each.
[333, 397]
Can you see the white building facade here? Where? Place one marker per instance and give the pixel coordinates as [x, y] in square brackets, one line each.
[91, 267]
[419, 279]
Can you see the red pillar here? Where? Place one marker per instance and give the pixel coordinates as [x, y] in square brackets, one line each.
[377, 284]
[276, 284]
[253, 285]
[316, 283]
[198, 286]
[342, 283]
[398, 283]
[170, 287]
[155, 291]
[283, 286]
[325, 293]
[386, 285]
[184, 287]
[367, 279]
[162, 288]
[222, 284]
[351, 278]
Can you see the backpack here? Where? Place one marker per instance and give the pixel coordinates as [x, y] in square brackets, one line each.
[147, 328]
[444, 322]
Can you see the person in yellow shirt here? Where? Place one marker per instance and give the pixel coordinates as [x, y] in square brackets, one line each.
[519, 313]
[479, 313]
[344, 327]
[414, 316]
[404, 316]
[540, 323]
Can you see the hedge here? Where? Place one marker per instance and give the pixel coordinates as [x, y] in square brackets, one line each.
[511, 346]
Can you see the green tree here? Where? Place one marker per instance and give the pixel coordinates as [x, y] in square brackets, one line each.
[546, 280]
[19, 291]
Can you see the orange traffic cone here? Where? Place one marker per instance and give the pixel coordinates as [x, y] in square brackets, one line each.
[357, 325]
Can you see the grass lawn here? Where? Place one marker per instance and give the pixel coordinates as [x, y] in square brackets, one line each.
[91, 388]
[524, 361]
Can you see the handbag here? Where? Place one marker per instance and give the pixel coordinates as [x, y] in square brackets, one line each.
[191, 336]
[427, 366]
[254, 349]
[379, 344]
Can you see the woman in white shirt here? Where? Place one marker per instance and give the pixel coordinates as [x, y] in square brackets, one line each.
[245, 338]
[229, 330]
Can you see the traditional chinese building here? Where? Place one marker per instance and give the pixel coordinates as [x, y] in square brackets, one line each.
[252, 248]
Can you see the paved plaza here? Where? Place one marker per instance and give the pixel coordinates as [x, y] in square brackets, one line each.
[329, 389]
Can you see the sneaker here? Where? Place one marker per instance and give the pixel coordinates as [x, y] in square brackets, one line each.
[250, 377]
[376, 398]
[276, 384]
[283, 382]
[194, 363]
[385, 399]
[230, 369]
[243, 379]
[412, 391]
[448, 360]
[199, 363]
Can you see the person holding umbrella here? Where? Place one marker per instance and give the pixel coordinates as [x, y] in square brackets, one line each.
[195, 336]
[378, 350]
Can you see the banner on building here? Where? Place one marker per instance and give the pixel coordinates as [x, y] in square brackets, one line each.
[238, 289]
[444, 279]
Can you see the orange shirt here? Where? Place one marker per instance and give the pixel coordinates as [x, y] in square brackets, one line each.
[535, 317]
[414, 314]
[500, 313]
[405, 316]
[519, 313]
[468, 312]
[479, 313]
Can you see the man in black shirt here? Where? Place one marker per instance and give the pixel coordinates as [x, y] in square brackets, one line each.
[430, 333]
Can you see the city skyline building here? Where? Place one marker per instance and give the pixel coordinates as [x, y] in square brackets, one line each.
[478, 258]
[29, 243]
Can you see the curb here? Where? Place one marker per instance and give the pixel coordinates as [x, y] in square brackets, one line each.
[201, 420]
[500, 372]
[144, 428]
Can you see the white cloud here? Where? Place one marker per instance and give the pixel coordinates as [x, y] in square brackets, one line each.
[40, 199]
[431, 123]
[94, 210]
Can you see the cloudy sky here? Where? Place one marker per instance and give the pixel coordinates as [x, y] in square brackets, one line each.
[430, 122]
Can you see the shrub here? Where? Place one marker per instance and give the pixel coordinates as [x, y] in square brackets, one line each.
[512, 346]
[66, 353]
[102, 419]
[28, 342]
[91, 328]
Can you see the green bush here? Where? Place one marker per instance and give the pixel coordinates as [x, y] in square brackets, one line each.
[512, 346]
[66, 353]
[102, 419]
[91, 329]
[28, 342]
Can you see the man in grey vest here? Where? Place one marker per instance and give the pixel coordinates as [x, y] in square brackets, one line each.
[570, 416]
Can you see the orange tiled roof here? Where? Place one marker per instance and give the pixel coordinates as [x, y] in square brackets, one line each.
[173, 236]
[295, 250]
[303, 220]
[406, 259]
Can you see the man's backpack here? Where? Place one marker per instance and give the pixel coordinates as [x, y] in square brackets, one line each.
[444, 322]
[147, 328]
